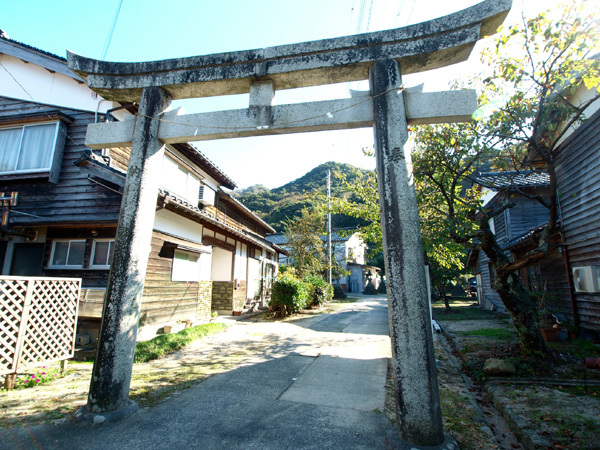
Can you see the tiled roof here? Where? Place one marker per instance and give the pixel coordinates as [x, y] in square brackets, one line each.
[5, 37]
[202, 214]
[208, 165]
[277, 239]
[517, 242]
[513, 179]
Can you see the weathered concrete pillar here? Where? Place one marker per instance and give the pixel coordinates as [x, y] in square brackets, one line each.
[415, 378]
[108, 398]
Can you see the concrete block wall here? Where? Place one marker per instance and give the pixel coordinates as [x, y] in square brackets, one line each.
[222, 296]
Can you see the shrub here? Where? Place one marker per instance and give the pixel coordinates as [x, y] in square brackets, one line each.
[289, 295]
[338, 292]
[320, 291]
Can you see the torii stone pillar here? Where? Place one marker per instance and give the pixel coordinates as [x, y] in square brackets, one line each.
[108, 397]
[419, 417]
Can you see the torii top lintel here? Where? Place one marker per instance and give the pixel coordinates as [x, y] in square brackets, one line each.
[420, 47]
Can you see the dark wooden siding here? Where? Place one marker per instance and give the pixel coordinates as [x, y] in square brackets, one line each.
[578, 173]
[490, 296]
[164, 300]
[526, 215]
[74, 198]
[500, 229]
[90, 278]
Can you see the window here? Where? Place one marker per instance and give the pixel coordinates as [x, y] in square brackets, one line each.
[186, 266]
[179, 181]
[507, 224]
[492, 272]
[102, 253]
[28, 148]
[67, 254]
[492, 225]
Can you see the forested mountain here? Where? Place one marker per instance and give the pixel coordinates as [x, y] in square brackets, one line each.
[275, 206]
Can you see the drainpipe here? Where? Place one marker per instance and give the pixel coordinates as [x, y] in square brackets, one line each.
[565, 252]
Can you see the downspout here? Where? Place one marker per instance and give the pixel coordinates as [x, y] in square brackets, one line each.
[565, 252]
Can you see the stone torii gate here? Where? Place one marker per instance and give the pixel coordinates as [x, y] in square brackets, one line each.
[380, 57]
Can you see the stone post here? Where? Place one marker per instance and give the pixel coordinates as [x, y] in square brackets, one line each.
[415, 379]
[108, 397]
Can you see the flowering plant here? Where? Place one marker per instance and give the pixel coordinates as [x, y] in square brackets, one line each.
[42, 376]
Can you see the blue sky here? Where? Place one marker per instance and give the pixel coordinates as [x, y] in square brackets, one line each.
[158, 29]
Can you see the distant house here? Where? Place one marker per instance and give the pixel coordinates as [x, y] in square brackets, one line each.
[570, 274]
[515, 228]
[348, 250]
[208, 251]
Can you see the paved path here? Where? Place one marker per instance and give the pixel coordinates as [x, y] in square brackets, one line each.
[321, 386]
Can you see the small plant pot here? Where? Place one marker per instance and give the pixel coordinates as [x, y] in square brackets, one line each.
[550, 334]
[592, 363]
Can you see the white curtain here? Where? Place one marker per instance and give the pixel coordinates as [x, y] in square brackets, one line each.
[9, 148]
[37, 147]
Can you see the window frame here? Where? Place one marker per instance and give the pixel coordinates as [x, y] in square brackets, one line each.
[111, 246]
[183, 272]
[51, 264]
[190, 178]
[53, 146]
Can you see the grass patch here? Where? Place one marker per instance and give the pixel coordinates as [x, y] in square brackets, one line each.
[458, 417]
[460, 310]
[578, 348]
[168, 343]
[496, 333]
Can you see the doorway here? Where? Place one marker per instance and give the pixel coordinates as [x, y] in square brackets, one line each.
[27, 260]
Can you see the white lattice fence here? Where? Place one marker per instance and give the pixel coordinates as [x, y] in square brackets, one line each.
[38, 320]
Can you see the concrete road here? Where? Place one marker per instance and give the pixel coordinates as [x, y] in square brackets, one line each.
[323, 389]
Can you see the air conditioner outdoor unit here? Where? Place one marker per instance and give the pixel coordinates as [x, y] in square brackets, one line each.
[586, 278]
[206, 196]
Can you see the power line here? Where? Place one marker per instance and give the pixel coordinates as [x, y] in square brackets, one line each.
[111, 31]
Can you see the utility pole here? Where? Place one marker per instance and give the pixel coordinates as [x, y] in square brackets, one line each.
[329, 279]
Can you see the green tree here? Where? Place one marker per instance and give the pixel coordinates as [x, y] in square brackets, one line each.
[528, 105]
[444, 256]
[307, 250]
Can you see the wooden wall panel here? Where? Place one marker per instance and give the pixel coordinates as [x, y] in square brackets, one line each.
[74, 198]
[164, 300]
[578, 173]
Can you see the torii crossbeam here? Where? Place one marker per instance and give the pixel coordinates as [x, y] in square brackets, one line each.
[377, 56]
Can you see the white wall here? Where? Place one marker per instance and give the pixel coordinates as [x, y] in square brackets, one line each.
[241, 261]
[39, 85]
[175, 225]
[222, 261]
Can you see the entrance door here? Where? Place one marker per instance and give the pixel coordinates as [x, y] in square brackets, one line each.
[27, 260]
[254, 279]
